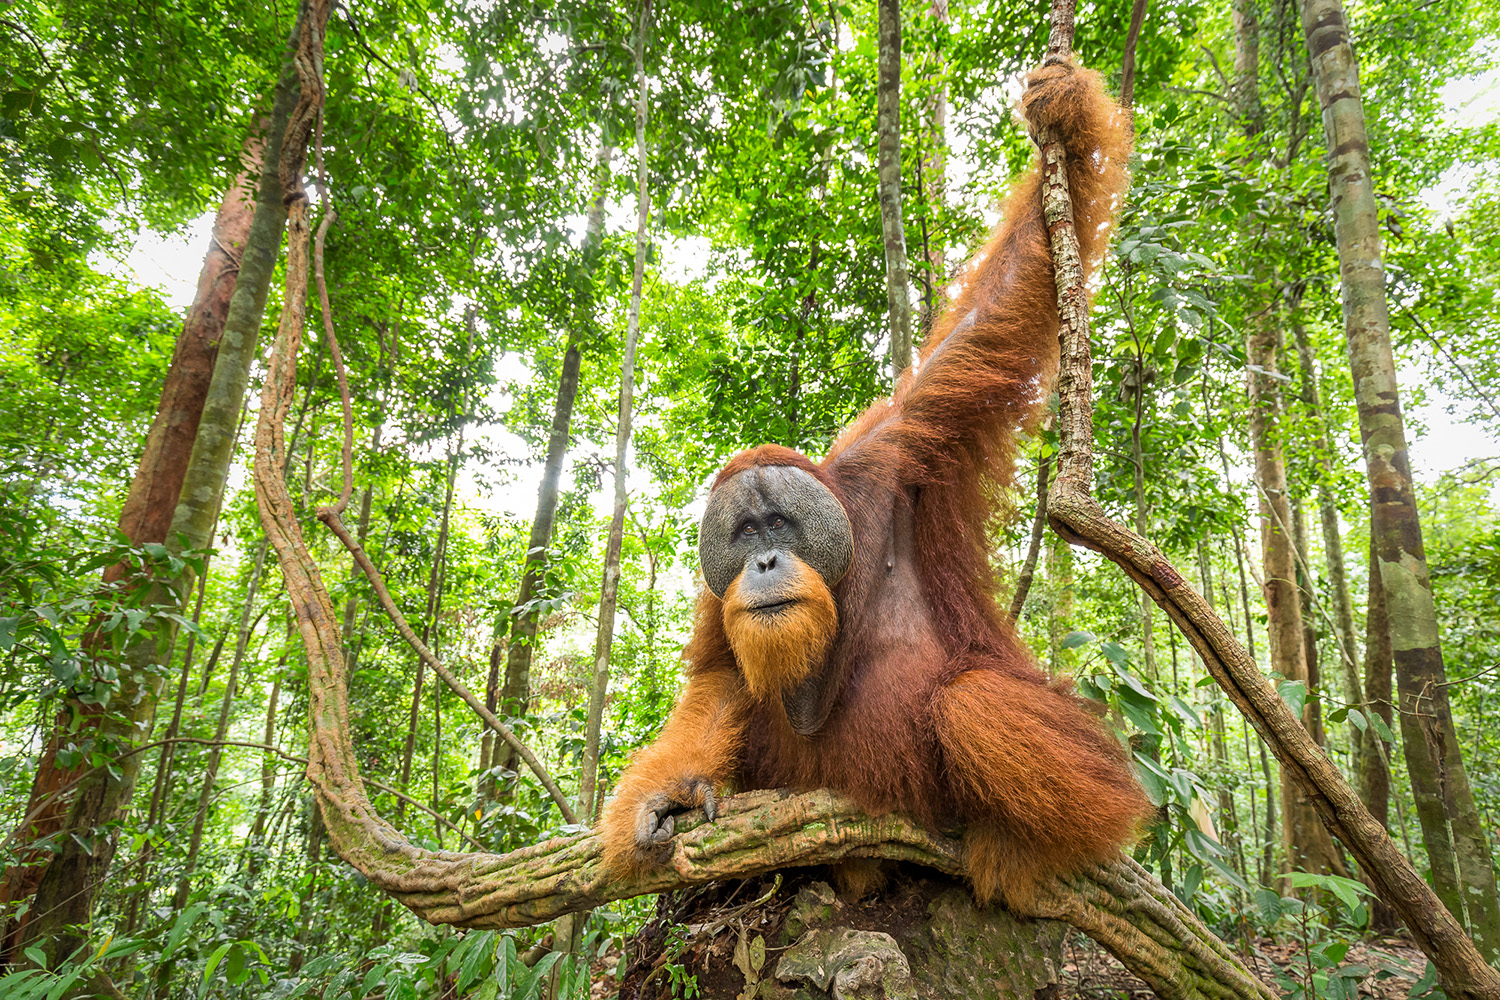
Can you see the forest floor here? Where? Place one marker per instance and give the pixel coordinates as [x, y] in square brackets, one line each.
[1395, 965]
[1089, 971]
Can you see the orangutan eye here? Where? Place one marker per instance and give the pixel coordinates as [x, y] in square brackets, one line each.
[777, 522]
[747, 529]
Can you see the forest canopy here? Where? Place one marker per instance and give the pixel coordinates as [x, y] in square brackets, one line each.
[561, 262]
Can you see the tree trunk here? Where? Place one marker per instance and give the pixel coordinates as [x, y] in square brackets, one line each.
[1034, 547]
[362, 531]
[148, 508]
[1138, 476]
[516, 694]
[1308, 846]
[1265, 857]
[434, 604]
[888, 130]
[932, 173]
[609, 590]
[1328, 514]
[1307, 607]
[489, 788]
[1229, 820]
[568, 930]
[66, 889]
[1375, 752]
[268, 761]
[1434, 757]
[221, 730]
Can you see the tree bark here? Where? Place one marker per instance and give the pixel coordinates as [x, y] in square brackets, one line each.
[268, 761]
[1328, 515]
[516, 693]
[488, 788]
[429, 623]
[1434, 757]
[1034, 547]
[148, 508]
[1375, 753]
[1307, 606]
[609, 589]
[1307, 844]
[221, 730]
[1229, 820]
[933, 174]
[888, 149]
[362, 531]
[66, 889]
[1127, 60]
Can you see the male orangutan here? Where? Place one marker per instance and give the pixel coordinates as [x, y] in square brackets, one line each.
[849, 636]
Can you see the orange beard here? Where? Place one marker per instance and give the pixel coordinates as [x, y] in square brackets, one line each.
[778, 649]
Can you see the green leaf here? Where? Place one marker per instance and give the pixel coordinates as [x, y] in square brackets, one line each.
[529, 983]
[235, 969]
[1270, 903]
[1075, 639]
[38, 956]
[180, 927]
[1186, 711]
[213, 964]
[1294, 693]
[65, 983]
[477, 955]
[1424, 985]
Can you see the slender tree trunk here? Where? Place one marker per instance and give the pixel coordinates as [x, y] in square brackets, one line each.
[314, 856]
[1138, 472]
[609, 590]
[488, 788]
[1308, 846]
[888, 130]
[1034, 547]
[1059, 598]
[268, 761]
[1375, 753]
[516, 694]
[1127, 62]
[1328, 515]
[1228, 818]
[362, 531]
[1433, 755]
[221, 730]
[568, 930]
[933, 174]
[1266, 855]
[434, 602]
[1306, 607]
[65, 893]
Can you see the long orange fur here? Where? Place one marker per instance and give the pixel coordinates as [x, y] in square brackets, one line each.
[938, 708]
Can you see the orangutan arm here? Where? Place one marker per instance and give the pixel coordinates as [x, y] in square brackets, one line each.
[695, 755]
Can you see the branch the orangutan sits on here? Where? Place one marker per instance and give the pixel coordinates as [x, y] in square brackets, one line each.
[849, 635]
